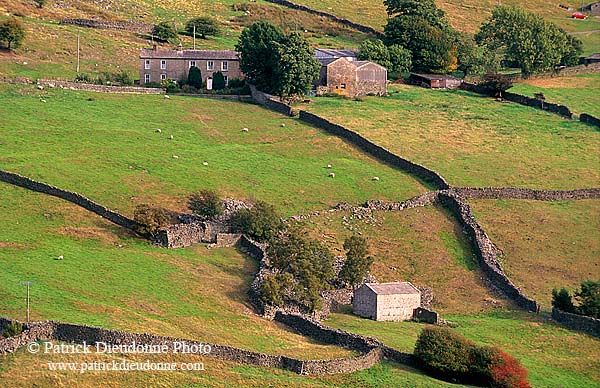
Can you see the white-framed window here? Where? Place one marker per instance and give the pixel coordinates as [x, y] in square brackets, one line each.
[210, 65]
[226, 78]
[224, 66]
[147, 64]
[163, 64]
[343, 86]
[146, 78]
[192, 63]
[163, 76]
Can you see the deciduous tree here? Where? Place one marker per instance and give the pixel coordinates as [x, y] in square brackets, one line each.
[12, 33]
[205, 26]
[164, 31]
[358, 262]
[297, 68]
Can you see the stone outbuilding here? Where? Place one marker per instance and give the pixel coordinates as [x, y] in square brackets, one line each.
[351, 78]
[386, 301]
[435, 81]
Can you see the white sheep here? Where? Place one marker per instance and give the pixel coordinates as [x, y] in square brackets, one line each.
[332, 175]
[158, 130]
[282, 125]
[329, 166]
[40, 87]
[42, 100]
[245, 129]
[175, 157]
[167, 97]
[171, 137]
[205, 163]
[375, 178]
[60, 257]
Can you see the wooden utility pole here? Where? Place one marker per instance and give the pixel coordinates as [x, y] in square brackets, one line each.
[27, 284]
[78, 38]
[194, 37]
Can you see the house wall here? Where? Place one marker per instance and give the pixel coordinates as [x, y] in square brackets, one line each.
[178, 69]
[398, 307]
[595, 9]
[341, 78]
[364, 302]
[371, 79]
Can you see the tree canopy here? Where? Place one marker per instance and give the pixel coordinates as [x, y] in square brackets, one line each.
[205, 26]
[530, 42]
[195, 77]
[358, 262]
[164, 31]
[297, 67]
[425, 9]
[12, 33]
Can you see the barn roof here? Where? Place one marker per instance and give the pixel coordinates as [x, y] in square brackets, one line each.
[594, 56]
[329, 53]
[435, 77]
[393, 288]
[189, 54]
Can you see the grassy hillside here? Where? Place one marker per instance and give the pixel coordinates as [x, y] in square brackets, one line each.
[473, 140]
[579, 93]
[89, 142]
[545, 245]
[424, 246]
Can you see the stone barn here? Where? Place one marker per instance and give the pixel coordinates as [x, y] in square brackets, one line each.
[386, 301]
[435, 81]
[351, 78]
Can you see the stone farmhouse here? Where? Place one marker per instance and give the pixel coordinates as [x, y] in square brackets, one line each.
[386, 301]
[158, 65]
[343, 74]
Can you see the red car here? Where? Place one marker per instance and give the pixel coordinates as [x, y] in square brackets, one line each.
[579, 15]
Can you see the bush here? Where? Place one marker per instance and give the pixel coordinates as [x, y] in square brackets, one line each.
[260, 222]
[84, 78]
[589, 299]
[13, 329]
[205, 203]
[562, 300]
[123, 78]
[12, 33]
[235, 83]
[164, 31]
[358, 263]
[195, 78]
[497, 83]
[507, 372]
[274, 288]
[149, 219]
[204, 26]
[218, 81]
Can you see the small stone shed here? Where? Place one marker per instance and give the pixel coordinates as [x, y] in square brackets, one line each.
[435, 81]
[351, 78]
[386, 301]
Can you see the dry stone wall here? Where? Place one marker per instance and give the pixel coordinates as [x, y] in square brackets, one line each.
[518, 193]
[589, 119]
[270, 102]
[77, 199]
[99, 88]
[137, 27]
[581, 323]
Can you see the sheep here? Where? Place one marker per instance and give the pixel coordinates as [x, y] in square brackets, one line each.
[42, 100]
[205, 163]
[158, 130]
[282, 125]
[167, 97]
[329, 166]
[332, 175]
[60, 257]
[171, 137]
[245, 129]
[375, 178]
[175, 157]
[40, 87]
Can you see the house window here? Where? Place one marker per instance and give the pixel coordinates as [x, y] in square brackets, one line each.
[163, 76]
[147, 78]
[343, 86]
[163, 64]
[147, 64]
[226, 78]
[224, 65]
[210, 65]
[192, 63]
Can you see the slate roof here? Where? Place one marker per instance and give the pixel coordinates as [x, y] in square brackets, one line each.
[432, 77]
[330, 53]
[189, 54]
[393, 288]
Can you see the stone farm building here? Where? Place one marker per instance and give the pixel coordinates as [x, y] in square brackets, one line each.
[435, 81]
[343, 74]
[157, 65]
[386, 301]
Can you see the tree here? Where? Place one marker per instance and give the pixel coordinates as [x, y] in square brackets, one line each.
[589, 299]
[195, 77]
[205, 203]
[149, 219]
[275, 288]
[528, 40]
[425, 9]
[260, 222]
[444, 352]
[358, 263]
[12, 33]
[13, 329]
[218, 81]
[374, 50]
[562, 300]
[259, 55]
[297, 68]
[164, 31]
[431, 47]
[205, 26]
[40, 3]
[400, 59]
[496, 83]
[474, 59]
[573, 51]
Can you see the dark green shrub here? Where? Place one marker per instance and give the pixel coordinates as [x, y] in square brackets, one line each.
[204, 26]
[444, 353]
[358, 263]
[14, 328]
[274, 288]
[164, 31]
[589, 299]
[260, 222]
[205, 203]
[218, 81]
[84, 78]
[496, 83]
[12, 33]
[235, 83]
[562, 300]
[195, 77]
[149, 219]
[123, 78]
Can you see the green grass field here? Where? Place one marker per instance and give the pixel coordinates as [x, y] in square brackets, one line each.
[473, 140]
[545, 245]
[59, 141]
[423, 245]
[579, 93]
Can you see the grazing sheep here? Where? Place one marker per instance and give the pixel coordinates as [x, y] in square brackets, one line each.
[40, 87]
[171, 137]
[158, 130]
[167, 97]
[329, 166]
[282, 125]
[245, 129]
[375, 178]
[332, 175]
[205, 163]
[175, 157]
[60, 257]
[42, 100]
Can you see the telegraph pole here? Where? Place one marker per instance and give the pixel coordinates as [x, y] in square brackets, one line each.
[27, 284]
[78, 38]
[194, 37]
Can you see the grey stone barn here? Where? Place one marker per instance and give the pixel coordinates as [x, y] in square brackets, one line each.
[386, 301]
